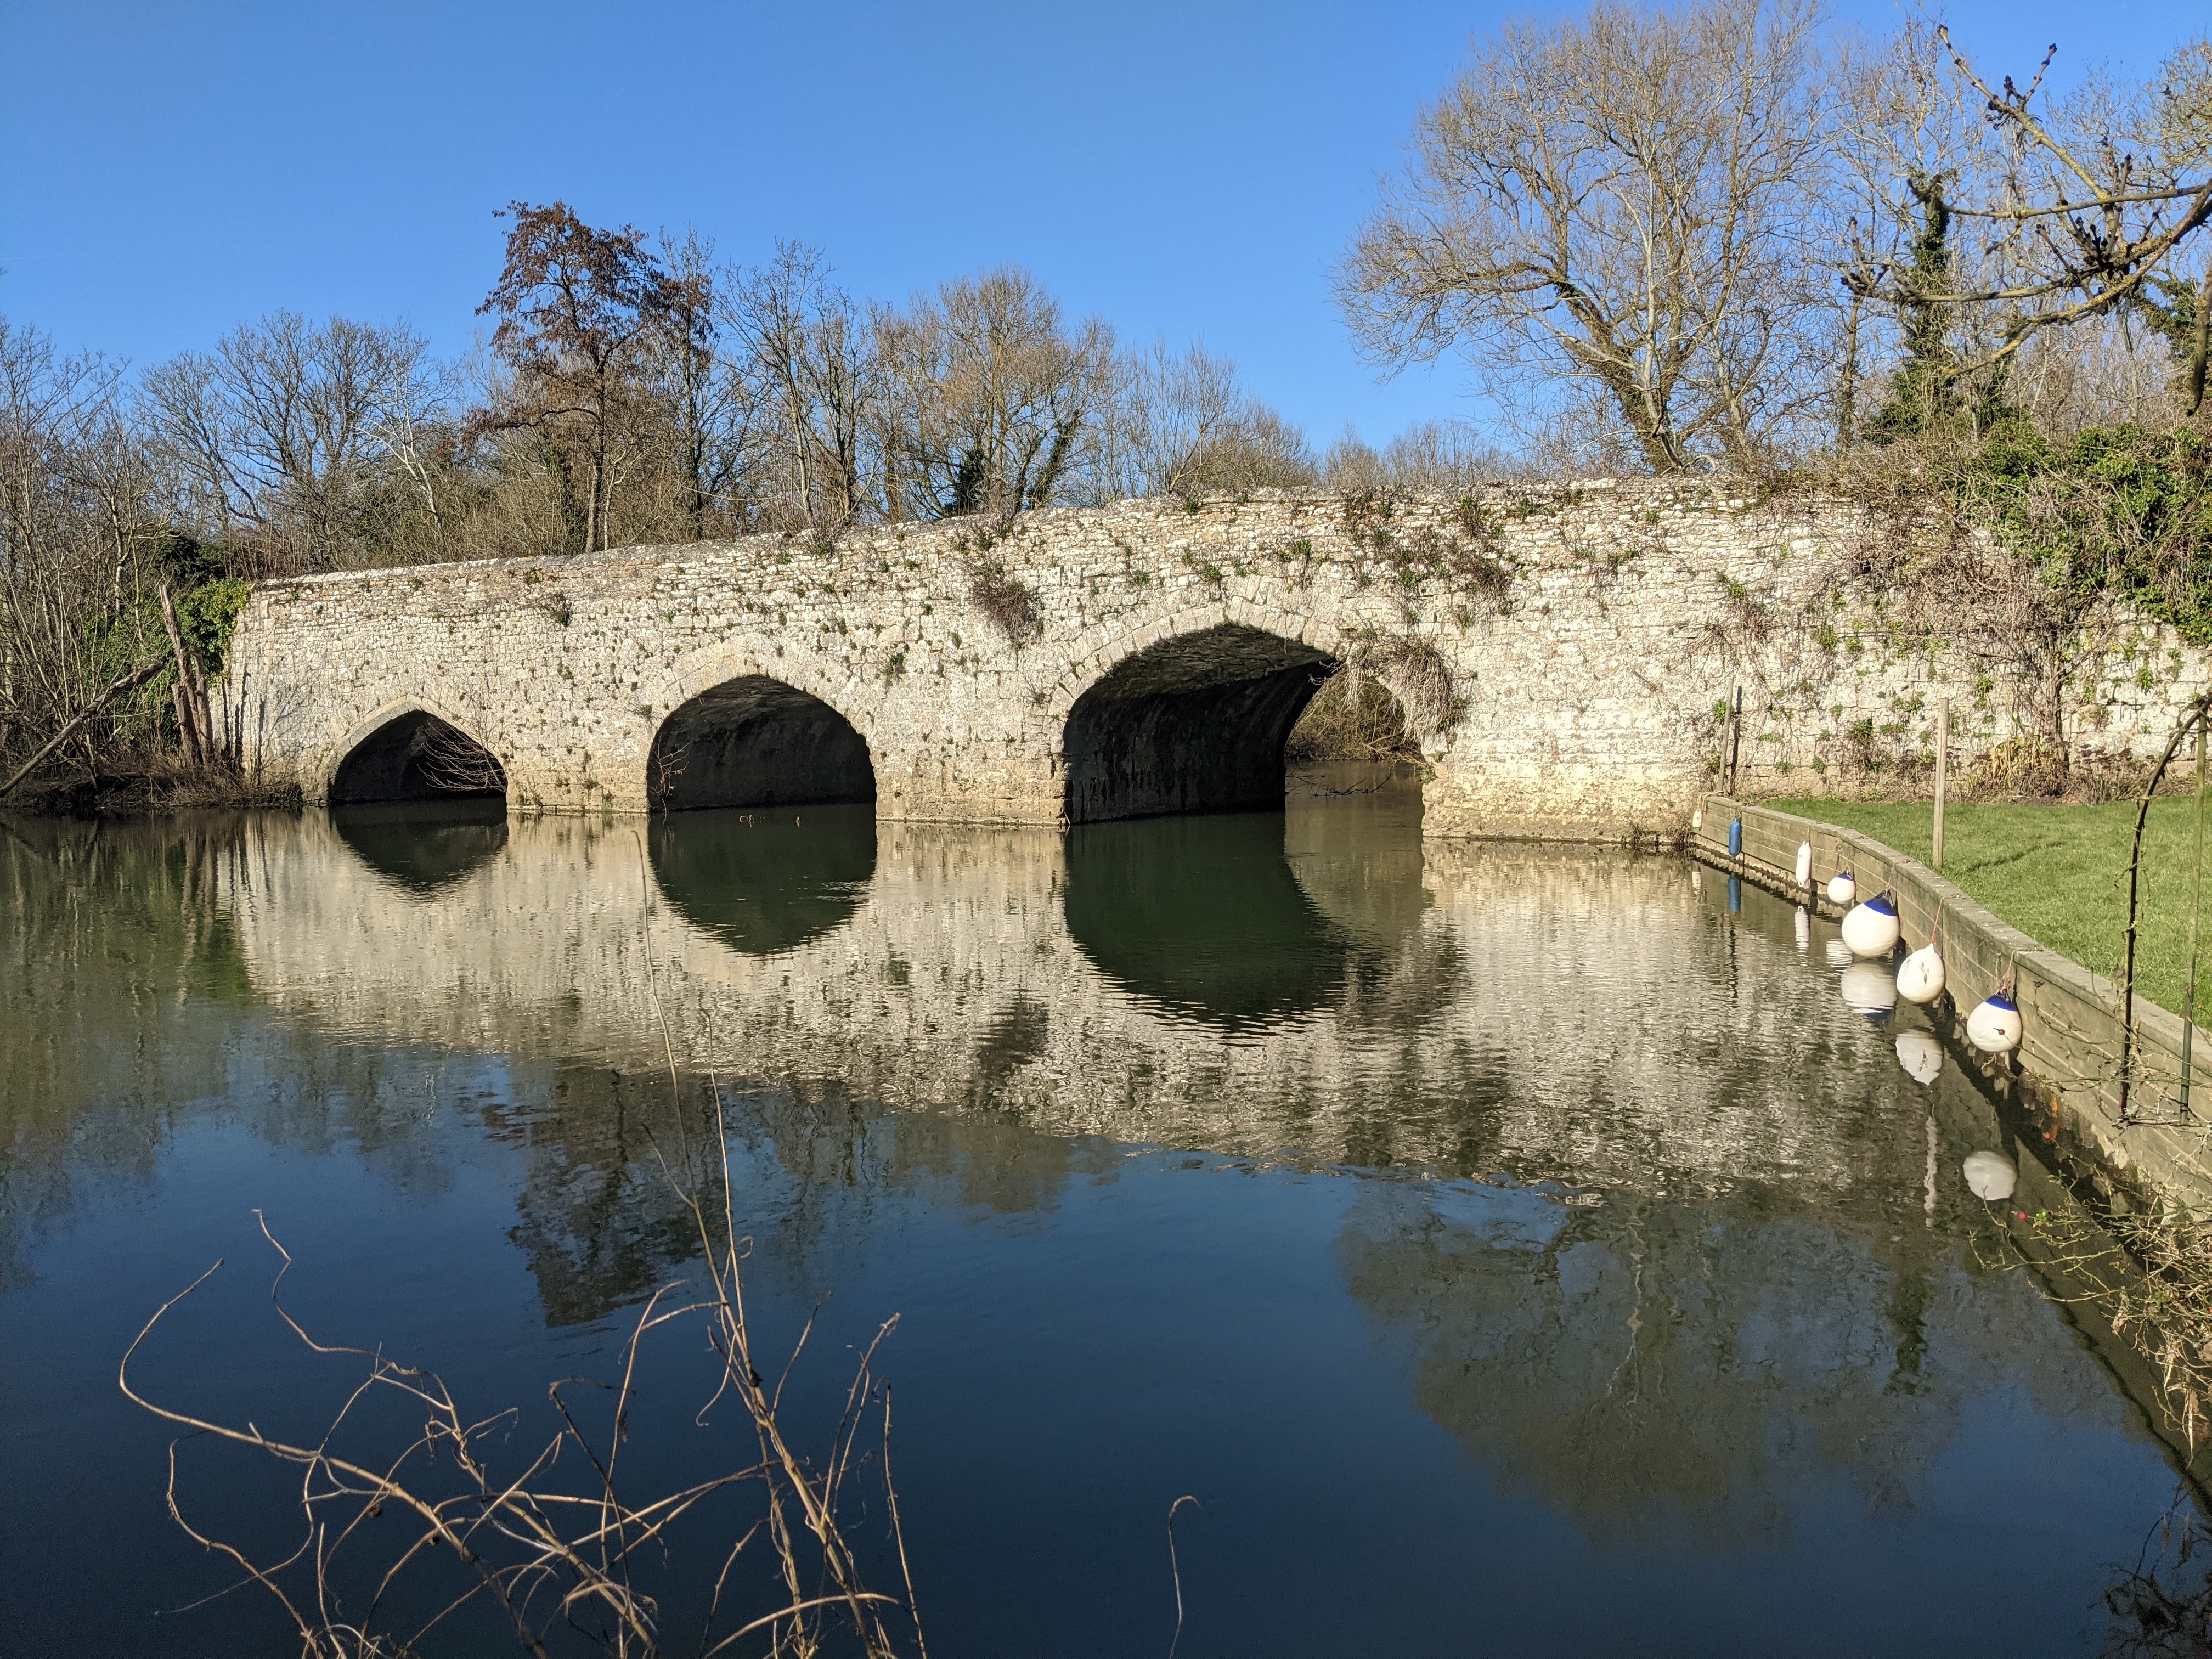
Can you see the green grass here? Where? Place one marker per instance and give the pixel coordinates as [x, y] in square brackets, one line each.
[2061, 873]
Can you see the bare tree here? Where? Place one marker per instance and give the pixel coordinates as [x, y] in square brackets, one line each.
[422, 439]
[1428, 458]
[77, 517]
[1182, 427]
[2083, 206]
[274, 432]
[708, 409]
[810, 355]
[1623, 199]
[1000, 403]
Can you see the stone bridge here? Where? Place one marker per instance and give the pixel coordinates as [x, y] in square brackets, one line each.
[1564, 652]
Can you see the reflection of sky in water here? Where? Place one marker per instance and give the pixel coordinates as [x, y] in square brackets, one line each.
[1737, 1360]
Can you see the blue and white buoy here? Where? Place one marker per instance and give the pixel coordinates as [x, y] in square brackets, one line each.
[1871, 929]
[1842, 889]
[1995, 1027]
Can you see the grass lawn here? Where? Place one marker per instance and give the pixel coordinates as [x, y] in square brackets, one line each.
[2061, 873]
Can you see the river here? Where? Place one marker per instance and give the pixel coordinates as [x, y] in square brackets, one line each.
[1512, 1248]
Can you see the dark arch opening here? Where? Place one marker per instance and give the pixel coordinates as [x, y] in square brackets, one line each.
[418, 756]
[1195, 724]
[756, 742]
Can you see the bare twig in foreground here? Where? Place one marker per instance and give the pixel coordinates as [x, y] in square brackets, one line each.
[563, 1558]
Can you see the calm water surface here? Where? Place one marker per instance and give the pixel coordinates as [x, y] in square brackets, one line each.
[1514, 1249]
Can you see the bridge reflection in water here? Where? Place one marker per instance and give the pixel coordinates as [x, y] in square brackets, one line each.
[768, 880]
[1522, 1202]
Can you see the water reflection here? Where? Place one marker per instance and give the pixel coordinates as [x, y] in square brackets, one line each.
[1750, 1318]
[1662, 1369]
[1920, 1054]
[766, 880]
[424, 844]
[1201, 916]
[1869, 990]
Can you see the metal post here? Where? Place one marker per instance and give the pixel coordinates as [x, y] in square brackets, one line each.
[1942, 750]
[2199, 709]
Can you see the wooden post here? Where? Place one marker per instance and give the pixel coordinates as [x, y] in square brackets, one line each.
[1942, 754]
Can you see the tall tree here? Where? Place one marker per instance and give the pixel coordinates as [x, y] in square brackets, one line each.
[2083, 206]
[1001, 404]
[1624, 200]
[812, 356]
[578, 308]
[705, 399]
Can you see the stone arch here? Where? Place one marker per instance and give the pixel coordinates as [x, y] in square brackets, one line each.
[1189, 714]
[754, 739]
[412, 751]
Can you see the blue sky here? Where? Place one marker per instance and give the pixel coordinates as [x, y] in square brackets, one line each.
[1189, 169]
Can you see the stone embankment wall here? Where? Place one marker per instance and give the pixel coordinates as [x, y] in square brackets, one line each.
[1580, 642]
[2070, 1049]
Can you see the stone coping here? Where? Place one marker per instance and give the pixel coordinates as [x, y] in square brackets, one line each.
[2069, 1052]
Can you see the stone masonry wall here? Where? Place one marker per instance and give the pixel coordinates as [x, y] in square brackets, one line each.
[1592, 635]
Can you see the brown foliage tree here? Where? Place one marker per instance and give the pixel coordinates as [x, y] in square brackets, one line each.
[579, 310]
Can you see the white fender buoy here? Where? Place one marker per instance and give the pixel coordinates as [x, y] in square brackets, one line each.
[1868, 990]
[1920, 976]
[1921, 1056]
[1803, 926]
[1804, 862]
[1995, 1027]
[1871, 929]
[1698, 819]
[1839, 953]
[1842, 889]
[1989, 1174]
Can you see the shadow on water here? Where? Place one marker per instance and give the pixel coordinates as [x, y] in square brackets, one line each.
[1202, 916]
[768, 880]
[424, 844]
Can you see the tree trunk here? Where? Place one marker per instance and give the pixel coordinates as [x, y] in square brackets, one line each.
[194, 727]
